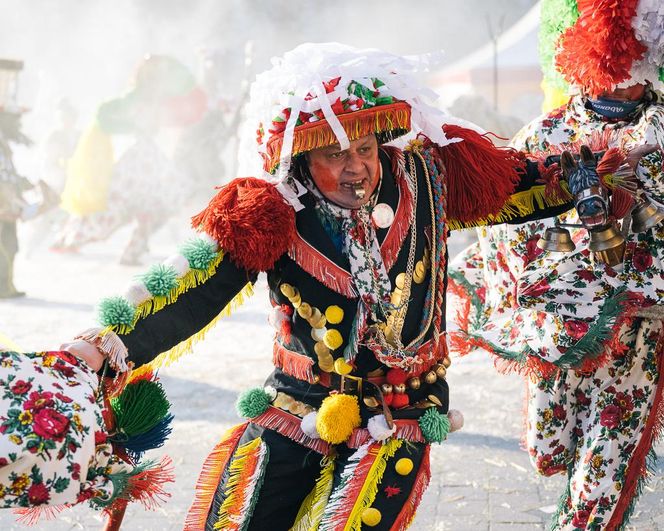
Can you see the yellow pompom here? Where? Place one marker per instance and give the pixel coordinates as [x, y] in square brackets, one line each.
[341, 367]
[334, 314]
[371, 517]
[337, 417]
[333, 339]
[404, 466]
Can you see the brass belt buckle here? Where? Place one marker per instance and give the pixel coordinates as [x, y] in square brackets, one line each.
[351, 385]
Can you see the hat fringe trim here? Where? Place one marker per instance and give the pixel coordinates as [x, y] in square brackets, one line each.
[394, 118]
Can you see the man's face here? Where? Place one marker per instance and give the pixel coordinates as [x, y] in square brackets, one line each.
[349, 177]
[633, 93]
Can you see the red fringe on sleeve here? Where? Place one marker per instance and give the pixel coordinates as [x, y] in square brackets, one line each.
[480, 176]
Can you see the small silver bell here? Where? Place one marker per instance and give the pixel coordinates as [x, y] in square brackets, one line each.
[557, 240]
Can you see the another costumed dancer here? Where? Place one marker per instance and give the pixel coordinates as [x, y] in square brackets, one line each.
[586, 327]
[352, 234]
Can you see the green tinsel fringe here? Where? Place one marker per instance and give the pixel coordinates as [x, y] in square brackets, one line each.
[555, 17]
[116, 311]
[160, 280]
[252, 403]
[140, 407]
[434, 425]
[199, 253]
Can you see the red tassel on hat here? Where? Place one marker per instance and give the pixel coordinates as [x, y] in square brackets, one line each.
[480, 176]
[251, 221]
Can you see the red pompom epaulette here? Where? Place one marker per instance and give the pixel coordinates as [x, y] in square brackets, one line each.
[252, 222]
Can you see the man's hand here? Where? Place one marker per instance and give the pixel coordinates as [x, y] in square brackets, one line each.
[85, 351]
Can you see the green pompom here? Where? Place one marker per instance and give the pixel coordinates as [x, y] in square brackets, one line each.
[199, 253]
[252, 403]
[434, 425]
[116, 311]
[160, 280]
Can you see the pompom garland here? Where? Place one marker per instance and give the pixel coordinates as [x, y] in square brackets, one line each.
[337, 417]
[597, 53]
[199, 252]
[434, 425]
[116, 311]
[555, 17]
[253, 402]
[160, 280]
[251, 221]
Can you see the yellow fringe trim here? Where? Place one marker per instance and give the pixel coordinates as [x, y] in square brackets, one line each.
[189, 280]
[518, 205]
[312, 508]
[356, 124]
[370, 488]
[235, 474]
[166, 358]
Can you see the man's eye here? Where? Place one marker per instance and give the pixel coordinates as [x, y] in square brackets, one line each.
[336, 155]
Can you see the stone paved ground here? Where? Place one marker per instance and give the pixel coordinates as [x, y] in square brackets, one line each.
[481, 479]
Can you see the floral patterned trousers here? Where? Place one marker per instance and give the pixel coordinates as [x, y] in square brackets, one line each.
[600, 428]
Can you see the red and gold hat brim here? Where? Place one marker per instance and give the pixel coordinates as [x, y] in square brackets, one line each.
[386, 121]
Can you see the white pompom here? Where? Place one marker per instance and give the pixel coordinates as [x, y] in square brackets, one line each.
[209, 239]
[378, 428]
[277, 317]
[179, 263]
[456, 419]
[137, 294]
[271, 392]
[308, 425]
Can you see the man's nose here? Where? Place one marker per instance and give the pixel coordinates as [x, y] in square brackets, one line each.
[353, 163]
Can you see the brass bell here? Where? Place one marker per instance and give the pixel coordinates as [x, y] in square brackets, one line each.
[430, 377]
[557, 240]
[447, 362]
[645, 216]
[607, 244]
[440, 370]
[400, 389]
[414, 382]
[386, 388]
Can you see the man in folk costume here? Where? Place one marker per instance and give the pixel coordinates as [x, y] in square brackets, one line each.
[586, 326]
[352, 234]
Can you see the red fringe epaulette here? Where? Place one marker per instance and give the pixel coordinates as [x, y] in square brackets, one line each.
[251, 221]
[480, 176]
[598, 51]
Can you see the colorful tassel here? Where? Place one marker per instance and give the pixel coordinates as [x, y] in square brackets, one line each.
[140, 407]
[144, 484]
[480, 176]
[245, 476]
[312, 509]
[209, 478]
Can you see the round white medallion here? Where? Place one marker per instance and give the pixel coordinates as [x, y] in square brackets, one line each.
[382, 215]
